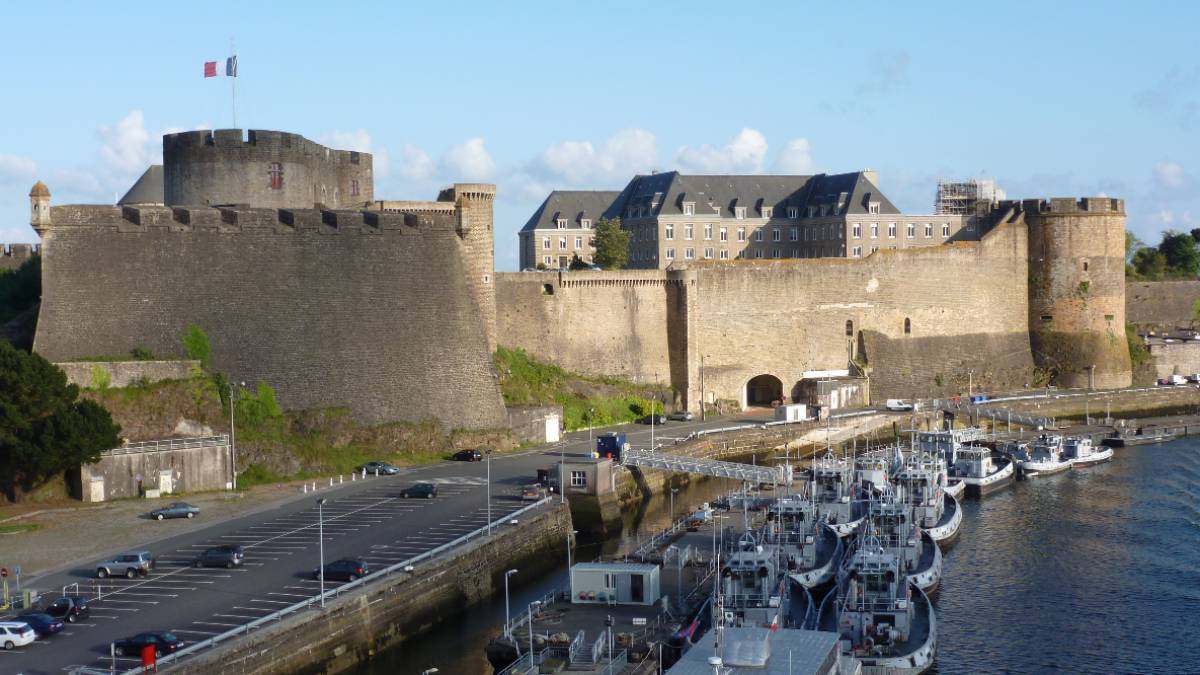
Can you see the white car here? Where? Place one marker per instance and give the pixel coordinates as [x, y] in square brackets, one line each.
[1177, 379]
[15, 634]
[899, 405]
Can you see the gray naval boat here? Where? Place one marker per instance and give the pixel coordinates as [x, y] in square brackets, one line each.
[753, 591]
[1043, 457]
[933, 510]
[811, 550]
[835, 494]
[946, 444]
[886, 623]
[982, 472]
[890, 521]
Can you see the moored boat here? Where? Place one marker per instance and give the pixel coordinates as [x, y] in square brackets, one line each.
[932, 508]
[835, 495]
[1045, 456]
[920, 557]
[811, 550]
[1081, 452]
[980, 472]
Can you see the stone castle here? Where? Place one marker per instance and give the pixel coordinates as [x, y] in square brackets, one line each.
[302, 278]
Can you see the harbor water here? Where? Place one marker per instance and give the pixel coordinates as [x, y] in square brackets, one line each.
[1093, 570]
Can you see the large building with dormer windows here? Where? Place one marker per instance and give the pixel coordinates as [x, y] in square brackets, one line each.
[674, 217]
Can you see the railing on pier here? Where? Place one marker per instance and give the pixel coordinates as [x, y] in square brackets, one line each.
[707, 467]
[404, 567]
[526, 665]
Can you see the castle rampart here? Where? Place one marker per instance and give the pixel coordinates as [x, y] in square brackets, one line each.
[13, 256]
[263, 169]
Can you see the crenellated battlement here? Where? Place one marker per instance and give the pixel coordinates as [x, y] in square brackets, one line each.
[13, 256]
[238, 219]
[1069, 205]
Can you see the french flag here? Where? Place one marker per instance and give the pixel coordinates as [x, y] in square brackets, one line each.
[210, 68]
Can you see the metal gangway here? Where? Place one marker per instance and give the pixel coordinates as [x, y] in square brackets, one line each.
[998, 414]
[747, 473]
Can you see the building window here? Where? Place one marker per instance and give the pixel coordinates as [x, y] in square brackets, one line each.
[1085, 265]
[794, 233]
[776, 254]
[741, 234]
[708, 253]
[812, 211]
[708, 232]
[874, 249]
[795, 253]
[545, 243]
[688, 232]
[546, 260]
[874, 230]
[689, 254]
[670, 235]
[670, 254]
[768, 211]
[793, 212]
[562, 243]
[578, 242]
[873, 207]
[849, 328]
[276, 173]
[724, 234]
[689, 208]
[945, 230]
[724, 254]
[353, 187]
[891, 230]
[758, 253]
[857, 251]
[758, 235]
[907, 326]
[911, 230]
[928, 231]
[739, 212]
[578, 479]
[775, 234]
[856, 230]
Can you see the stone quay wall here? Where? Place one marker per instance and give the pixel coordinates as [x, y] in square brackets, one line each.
[1161, 305]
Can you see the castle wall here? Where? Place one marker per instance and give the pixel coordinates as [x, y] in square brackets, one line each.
[600, 323]
[965, 305]
[127, 373]
[13, 256]
[336, 308]
[1161, 305]
[474, 201]
[223, 168]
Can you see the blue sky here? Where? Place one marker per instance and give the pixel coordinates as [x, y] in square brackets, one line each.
[1052, 99]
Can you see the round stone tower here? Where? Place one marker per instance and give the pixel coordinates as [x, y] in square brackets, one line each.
[39, 207]
[1077, 290]
[474, 201]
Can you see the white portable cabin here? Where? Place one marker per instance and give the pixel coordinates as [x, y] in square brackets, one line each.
[792, 412]
[614, 583]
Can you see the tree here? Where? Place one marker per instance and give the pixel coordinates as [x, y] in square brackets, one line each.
[577, 263]
[612, 244]
[1132, 245]
[1183, 260]
[1149, 263]
[196, 345]
[44, 428]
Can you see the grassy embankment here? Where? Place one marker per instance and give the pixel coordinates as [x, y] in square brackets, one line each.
[601, 401]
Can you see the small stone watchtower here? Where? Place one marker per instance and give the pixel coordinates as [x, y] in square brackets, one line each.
[1077, 290]
[475, 203]
[39, 207]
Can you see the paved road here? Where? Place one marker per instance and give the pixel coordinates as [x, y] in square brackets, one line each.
[361, 519]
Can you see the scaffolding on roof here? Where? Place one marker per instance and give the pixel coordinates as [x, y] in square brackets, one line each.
[966, 198]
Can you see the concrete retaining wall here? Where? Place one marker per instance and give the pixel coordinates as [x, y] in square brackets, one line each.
[354, 628]
[194, 465]
[126, 373]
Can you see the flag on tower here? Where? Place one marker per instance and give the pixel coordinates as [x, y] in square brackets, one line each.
[210, 68]
[231, 66]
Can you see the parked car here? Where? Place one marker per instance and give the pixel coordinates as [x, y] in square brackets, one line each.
[69, 608]
[420, 490]
[900, 405]
[176, 510]
[129, 564]
[1194, 378]
[682, 416]
[220, 556]
[1177, 379]
[43, 625]
[532, 493]
[16, 634]
[468, 456]
[164, 643]
[346, 569]
[653, 419]
[380, 468]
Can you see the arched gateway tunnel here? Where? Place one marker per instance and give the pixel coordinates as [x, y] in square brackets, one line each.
[762, 390]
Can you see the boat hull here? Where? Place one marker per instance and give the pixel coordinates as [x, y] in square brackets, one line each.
[821, 574]
[846, 529]
[1031, 469]
[956, 487]
[929, 578]
[978, 487]
[1097, 457]
[914, 662]
[946, 531]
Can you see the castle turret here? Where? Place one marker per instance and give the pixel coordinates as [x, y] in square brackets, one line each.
[39, 207]
[1077, 290]
[475, 227]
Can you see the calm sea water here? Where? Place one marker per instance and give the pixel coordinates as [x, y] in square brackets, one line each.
[1090, 571]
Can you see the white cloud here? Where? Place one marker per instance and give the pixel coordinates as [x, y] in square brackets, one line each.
[578, 163]
[415, 164]
[1170, 175]
[468, 160]
[126, 146]
[15, 167]
[1164, 217]
[360, 141]
[744, 153]
[795, 158]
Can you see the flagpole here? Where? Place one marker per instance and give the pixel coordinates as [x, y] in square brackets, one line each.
[233, 83]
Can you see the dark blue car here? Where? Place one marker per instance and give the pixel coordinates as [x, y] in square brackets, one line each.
[42, 624]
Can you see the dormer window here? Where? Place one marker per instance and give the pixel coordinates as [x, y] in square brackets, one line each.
[716, 209]
[689, 208]
[739, 212]
[562, 223]
[768, 211]
[873, 207]
[812, 211]
[585, 224]
[793, 212]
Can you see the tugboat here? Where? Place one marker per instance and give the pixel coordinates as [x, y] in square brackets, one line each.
[887, 624]
[980, 471]
[1082, 453]
[835, 496]
[1045, 457]
[921, 558]
[932, 509]
[946, 444]
[811, 550]
[752, 589]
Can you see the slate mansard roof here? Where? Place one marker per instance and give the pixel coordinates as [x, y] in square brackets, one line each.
[574, 205]
[148, 189]
[664, 194]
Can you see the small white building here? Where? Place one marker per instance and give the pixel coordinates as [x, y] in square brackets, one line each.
[791, 412]
[614, 583]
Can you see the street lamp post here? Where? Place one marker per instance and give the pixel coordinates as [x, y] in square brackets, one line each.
[562, 467]
[321, 544]
[232, 440]
[488, 453]
[570, 581]
[673, 491]
[531, 606]
[591, 415]
[507, 620]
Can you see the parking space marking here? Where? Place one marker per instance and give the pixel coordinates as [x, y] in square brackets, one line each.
[215, 623]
